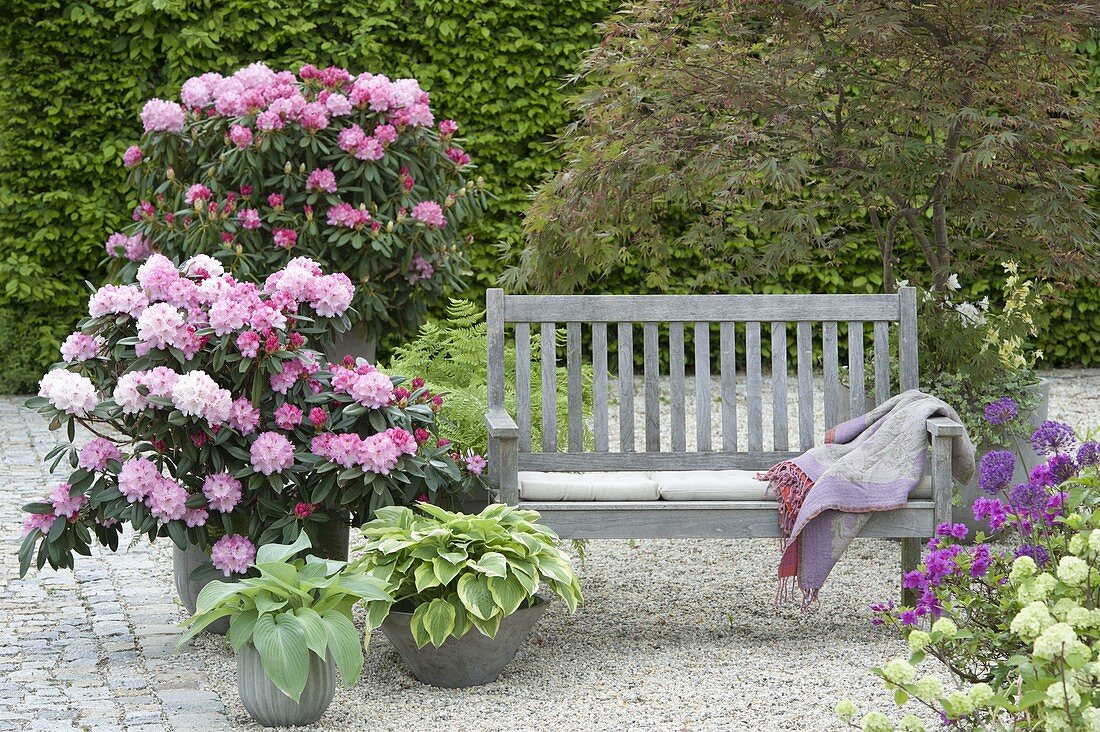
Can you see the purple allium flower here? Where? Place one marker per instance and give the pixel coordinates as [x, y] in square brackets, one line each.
[1062, 467]
[1001, 411]
[1036, 552]
[995, 470]
[1052, 437]
[1028, 496]
[1089, 454]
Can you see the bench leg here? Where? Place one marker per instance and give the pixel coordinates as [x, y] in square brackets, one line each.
[910, 560]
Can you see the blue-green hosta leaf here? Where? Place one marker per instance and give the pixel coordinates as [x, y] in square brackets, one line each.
[491, 563]
[509, 593]
[266, 602]
[474, 592]
[214, 594]
[280, 573]
[343, 644]
[282, 552]
[314, 630]
[200, 620]
[281, 643]
[241, 627]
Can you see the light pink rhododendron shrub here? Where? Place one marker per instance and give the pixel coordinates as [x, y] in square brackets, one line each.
[216, 424]
[353, 171]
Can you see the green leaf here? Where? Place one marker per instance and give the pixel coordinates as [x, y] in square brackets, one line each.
[425, 577]
[241, 627]
[215, 593]
[439, 621]
[266, 602]
[281, 643]
[508, 593]
[281, 552]
[314, 628]
[474, 592]
[491, 563]
[343, 643]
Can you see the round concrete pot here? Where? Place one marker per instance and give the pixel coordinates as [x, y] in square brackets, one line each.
[183, 564]
[271, 707]
[962, 513]
[353, 343]
[471, 660]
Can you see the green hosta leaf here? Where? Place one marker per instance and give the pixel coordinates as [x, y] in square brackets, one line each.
[426, 578]
[214, 594]
[200, 620]
[343, 643]
[281, 643]
[488, 627]
[364, 587]
[283, 573]
[281, 552]
[556, 569]
[314, 628]
[474, 592]
[269, 603]
[463, 621]
[241, 627]
[437, 619]
[509, 593]
[444, 570]
[491, 563]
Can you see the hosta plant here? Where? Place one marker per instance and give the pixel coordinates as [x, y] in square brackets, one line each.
[351, 170]
[288, 608]
[1015, 623]
[216, 424]
[458, 572]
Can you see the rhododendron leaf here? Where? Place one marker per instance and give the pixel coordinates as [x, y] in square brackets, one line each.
[281, 643]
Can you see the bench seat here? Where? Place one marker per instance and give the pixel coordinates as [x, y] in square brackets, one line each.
[666, 486]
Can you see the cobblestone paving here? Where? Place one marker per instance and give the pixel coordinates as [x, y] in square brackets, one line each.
[90, 649]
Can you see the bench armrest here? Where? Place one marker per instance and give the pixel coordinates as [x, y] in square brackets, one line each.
[500, 424]
[944, 427]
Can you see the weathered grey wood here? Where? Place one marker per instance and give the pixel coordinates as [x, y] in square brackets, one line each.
[597, 461]
[690, 308]
[779, 385]
[805, 344]
[727, 345]
[910, 560]
[856, 391]
[548, 356]
[676, 386]
[753, 386]
[907, 338]
[575, 397]
[831, 373]
[651, 371]
[626, 387]
[503, 454]
[523, 384]
[705, 519]
[882, 361]
[599, 385]
[702, 387]
[943, 426]
[942, 481]
[494, 345]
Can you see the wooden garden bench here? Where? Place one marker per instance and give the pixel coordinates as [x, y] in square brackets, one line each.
[589, 467]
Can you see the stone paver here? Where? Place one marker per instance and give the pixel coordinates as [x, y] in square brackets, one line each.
[94, 648]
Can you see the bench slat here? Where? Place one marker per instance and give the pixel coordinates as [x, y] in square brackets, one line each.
[779, 385]
[907, 335]
[599, 385]
[857, 398]
[576, 385]
[548, 358]
[805, 345]
[882, 361]
[691, 308]
[676, 386]
[523, 385]
[641, 461]
[831, 373]
[707, 519]
[626, 387]
[651, 370]
[702, 387]
[753, 386]
[727, 344]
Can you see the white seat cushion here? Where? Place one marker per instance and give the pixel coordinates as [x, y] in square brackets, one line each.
[600, 486]
[711, 485]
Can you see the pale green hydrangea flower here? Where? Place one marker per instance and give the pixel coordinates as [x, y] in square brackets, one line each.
[876, 722]
[1094, 540]
[928, 689]
[1073, 571]
[1022, 568]
[1031, 621]
[846, 710]
[1037, 588]
[945, 627]
[1054, 640]
[1091, 716]
[959, 704]
[899, 671]
[911, 723]
[919, 640]
[981, 694]
[1059, 694]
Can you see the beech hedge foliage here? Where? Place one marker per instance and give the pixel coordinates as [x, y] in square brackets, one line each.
[77, 73]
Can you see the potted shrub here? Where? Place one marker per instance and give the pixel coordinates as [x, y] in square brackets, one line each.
[354, 171]
[290, 623]
[218, 427]
[463, 587]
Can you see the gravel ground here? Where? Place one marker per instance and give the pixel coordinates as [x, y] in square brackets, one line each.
[674, 635]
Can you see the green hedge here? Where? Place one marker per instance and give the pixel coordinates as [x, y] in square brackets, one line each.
[77, 74]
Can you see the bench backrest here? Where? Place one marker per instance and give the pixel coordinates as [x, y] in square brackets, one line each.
[739, 321]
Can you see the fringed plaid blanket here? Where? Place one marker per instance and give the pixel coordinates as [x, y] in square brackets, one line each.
[869, 463]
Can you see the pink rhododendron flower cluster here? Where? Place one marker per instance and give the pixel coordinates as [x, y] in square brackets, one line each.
[134, 388]
[69, 392]
[134, 247]
[233, 554]
[222, 491]
[161, 116]
[195, 394]
[430, 212]
[64, 503]
[80, 347]
[363, 383]
[271, 453]
[96, 454]
[378, 453]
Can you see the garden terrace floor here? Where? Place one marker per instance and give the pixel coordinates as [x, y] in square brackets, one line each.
[675, 635]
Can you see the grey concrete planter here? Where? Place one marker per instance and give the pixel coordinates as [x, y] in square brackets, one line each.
[353, 343]
[471, 660]
[271, 707]
[962, 513]
[183, 564]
